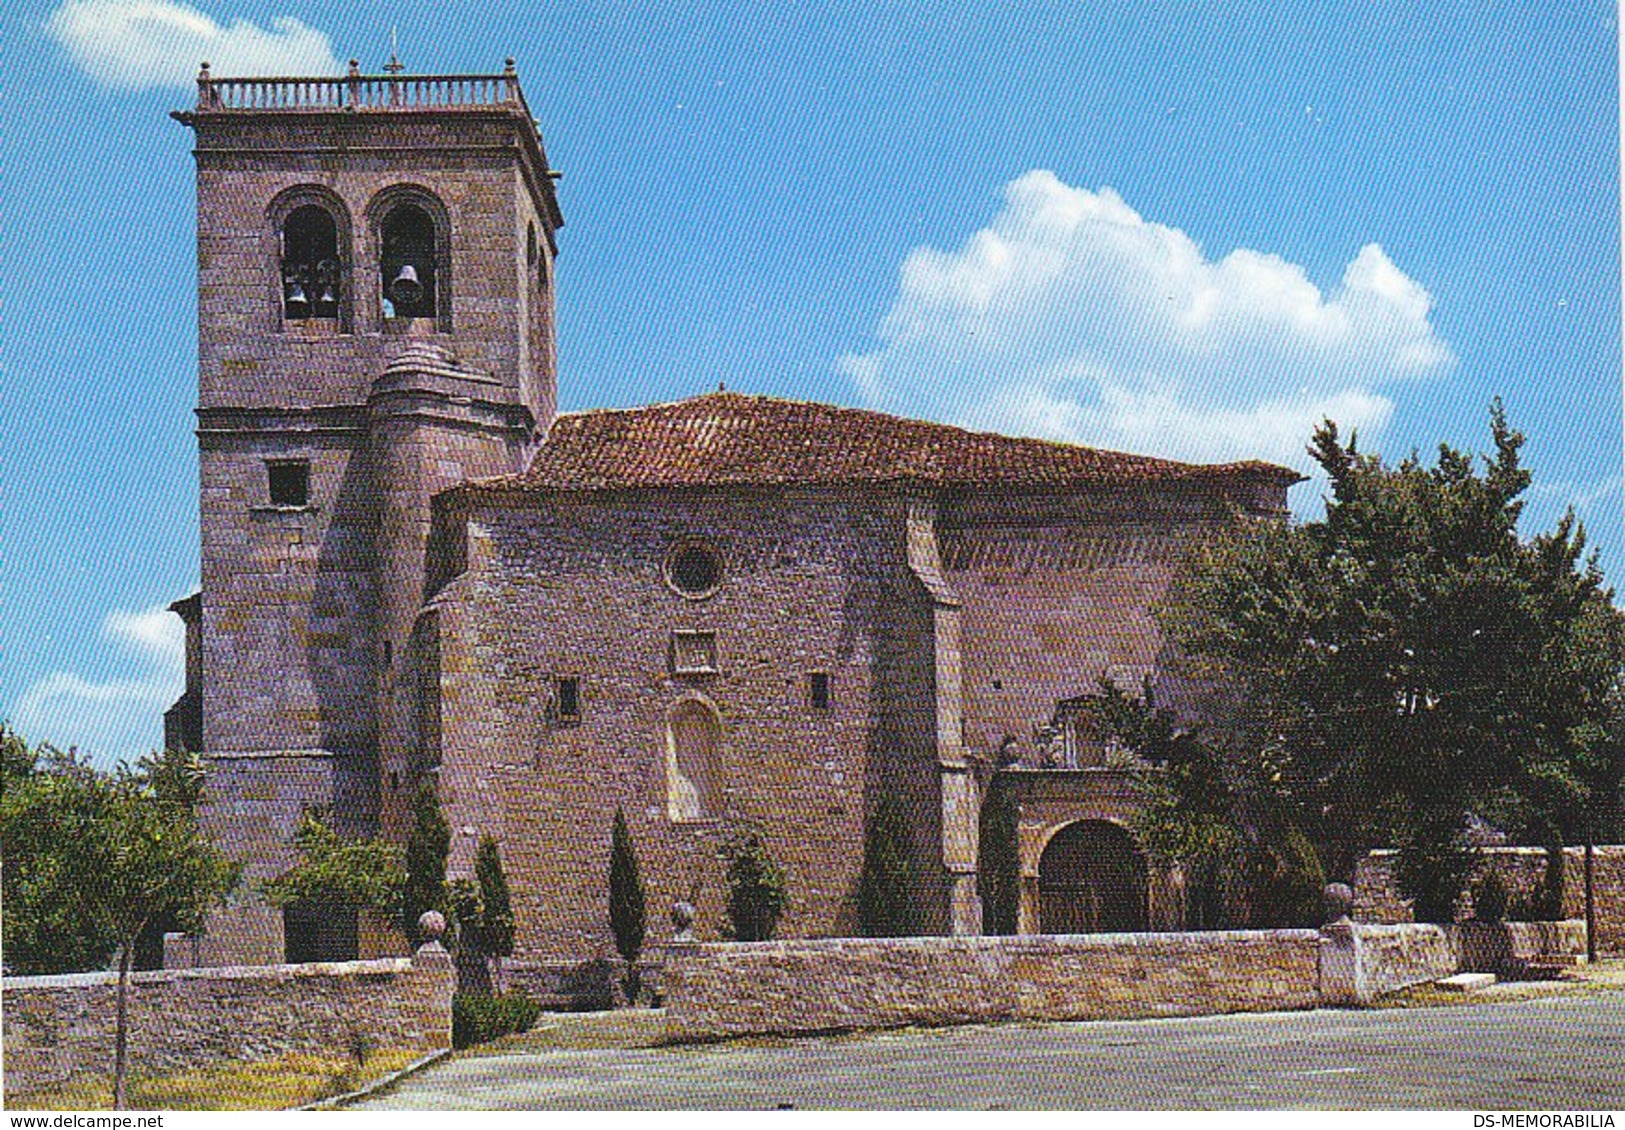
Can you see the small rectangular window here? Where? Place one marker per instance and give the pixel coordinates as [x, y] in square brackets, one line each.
[567, 697]
[289, 483]
[818, 686]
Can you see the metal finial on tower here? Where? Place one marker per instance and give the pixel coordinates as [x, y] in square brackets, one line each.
[394, 66]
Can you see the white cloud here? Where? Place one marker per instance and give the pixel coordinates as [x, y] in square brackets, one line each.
[141, 44]
[1072, 317]
[112, 717]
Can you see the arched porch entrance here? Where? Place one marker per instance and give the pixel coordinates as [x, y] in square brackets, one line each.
[1091, 880]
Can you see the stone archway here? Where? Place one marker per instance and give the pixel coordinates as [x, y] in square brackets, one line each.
[1091, 880]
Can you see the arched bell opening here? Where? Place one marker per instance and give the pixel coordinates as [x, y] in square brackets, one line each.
[308, 260]
[409, 263]
[312, 271]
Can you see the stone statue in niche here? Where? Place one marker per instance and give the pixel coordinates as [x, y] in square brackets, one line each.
[1009, 755]
[1049, 746]
[682, 922]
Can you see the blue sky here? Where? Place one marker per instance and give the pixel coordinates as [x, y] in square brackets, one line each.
[1189, 229]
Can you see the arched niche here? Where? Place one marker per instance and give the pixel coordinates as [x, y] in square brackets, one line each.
[693, 769]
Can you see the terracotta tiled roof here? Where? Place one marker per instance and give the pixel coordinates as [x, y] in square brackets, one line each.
[729, 438]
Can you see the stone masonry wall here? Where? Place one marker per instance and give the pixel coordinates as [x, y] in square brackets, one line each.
[59, 1030]
[467, 164]
[719, 991]
[574, 587]
[1377, 897]
[252, 804]
[1058, 591]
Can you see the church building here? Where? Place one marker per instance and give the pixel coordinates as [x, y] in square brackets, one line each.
[728, 614]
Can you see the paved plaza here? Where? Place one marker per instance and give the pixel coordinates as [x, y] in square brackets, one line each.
[1555, 1052]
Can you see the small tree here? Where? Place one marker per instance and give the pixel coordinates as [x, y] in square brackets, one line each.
[482, 911]
[496, 905]
[91, 859]
[885, 887]
[756, 890]
[628, 920]
[156, 859]
[428, 843]
[352, 873]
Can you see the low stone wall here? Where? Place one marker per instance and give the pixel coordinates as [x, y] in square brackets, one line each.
[1509, 948]
[581, 986]
[1377, 898]
[1359, 963]
[719, 990]
[59, 1030]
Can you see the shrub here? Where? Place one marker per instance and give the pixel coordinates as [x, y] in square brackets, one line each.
[479, 1017]
[756, 890]
[481, 908]
[1433, 864]
[1290, 884]
[1490, 898]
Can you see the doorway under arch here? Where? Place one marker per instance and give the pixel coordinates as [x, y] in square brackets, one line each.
[1091, 880]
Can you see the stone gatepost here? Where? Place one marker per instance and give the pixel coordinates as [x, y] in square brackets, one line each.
[433, 963]
[1339, 956]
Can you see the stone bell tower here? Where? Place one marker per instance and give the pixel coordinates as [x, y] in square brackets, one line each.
[375, 323]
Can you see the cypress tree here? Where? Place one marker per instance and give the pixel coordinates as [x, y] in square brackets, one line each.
[427, 845]
[627, 917]
[885, 900]
[496, 907]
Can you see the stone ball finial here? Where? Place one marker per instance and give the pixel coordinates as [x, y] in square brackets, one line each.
[432, 925]
[1339, 901]
[682, 921]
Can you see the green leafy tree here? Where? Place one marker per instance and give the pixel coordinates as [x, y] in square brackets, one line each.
[628, 919]
[175, 776]
[154, 858]
[17, 761]
[338, 871]
[1407, 660]
[757, 894]
[90, 859]
[50, 809]
[1246, 864]
[885, 886]
[428, 843]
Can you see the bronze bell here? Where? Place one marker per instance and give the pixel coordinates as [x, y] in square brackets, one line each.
[405, 290]
[294, 302]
